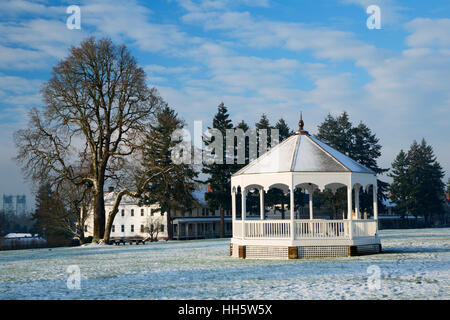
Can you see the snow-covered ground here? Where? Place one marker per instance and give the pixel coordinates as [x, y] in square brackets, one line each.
[415, 264]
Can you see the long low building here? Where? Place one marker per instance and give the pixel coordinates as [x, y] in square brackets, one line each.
[147, 221]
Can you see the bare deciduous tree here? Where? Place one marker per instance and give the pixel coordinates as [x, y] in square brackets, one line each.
[98, 108]
[153, 227]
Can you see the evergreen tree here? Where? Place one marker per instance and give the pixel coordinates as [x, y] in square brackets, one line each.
[366, 148]
[53, 220]
[264, 124]
[360, 144]
[172, 190]
[283, 129]
[219, 175]
[427, 187]
[244, 127]
[337, 133]
[400, 188]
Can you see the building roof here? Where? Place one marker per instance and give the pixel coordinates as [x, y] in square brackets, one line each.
[302, 152]
[199, 219]
[198, 195]
[19, 235]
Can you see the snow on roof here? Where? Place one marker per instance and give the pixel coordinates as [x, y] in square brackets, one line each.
[302, 153]
[19, 235]
[346, 161]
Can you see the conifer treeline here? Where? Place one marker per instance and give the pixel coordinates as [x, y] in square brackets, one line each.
[417, 188]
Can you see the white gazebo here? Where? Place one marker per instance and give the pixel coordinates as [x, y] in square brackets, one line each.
[303, 161]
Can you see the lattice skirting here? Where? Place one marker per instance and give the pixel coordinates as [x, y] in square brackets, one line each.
[266, 252]
[280, 252]
[323, 251]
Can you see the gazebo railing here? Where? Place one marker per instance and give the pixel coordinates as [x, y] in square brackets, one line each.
[318, 229]
[267, 229]
[263, 229]
[304, 229]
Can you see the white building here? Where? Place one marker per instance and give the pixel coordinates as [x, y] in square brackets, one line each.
[134, 221]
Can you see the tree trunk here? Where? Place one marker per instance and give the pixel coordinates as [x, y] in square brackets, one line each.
[81, 222]
[99, 215]
[108, 227]
[169, 226]
[222, 223]
[81, 233]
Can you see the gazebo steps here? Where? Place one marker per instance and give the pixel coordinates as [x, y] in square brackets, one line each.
[301, 252]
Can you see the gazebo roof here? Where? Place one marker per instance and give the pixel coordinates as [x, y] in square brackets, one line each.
[302, 152]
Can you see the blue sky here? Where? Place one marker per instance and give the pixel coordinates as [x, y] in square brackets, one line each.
[257, 56]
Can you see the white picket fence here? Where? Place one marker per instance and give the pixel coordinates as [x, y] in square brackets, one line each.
[304, 229]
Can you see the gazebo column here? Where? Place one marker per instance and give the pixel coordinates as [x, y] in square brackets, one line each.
[233, 209]
[357, 203]
[292, 214]
[261, 202]
[310, 205]
[375, 205]
[349, 210]
[233, 205]
[244, 210]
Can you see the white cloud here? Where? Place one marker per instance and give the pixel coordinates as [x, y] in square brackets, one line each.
[427, 32]
[14, 8]
[17, 58]
[131, 22]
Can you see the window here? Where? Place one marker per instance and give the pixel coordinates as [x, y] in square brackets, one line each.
[132, 212]
[142, 213]
[162, 214]
[113, 229]
[122, 228]
[162, 228]
[203, 211]
[142, 228]
[85, 228]
[132, 228]
[152, 211]
[123, 212]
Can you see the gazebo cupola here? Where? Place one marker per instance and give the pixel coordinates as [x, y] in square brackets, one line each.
[303, 161]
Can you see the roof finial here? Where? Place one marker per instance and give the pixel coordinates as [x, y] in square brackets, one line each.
[301, 125]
